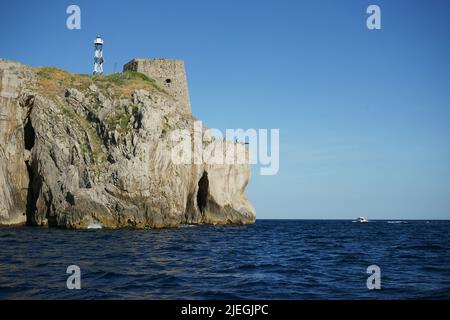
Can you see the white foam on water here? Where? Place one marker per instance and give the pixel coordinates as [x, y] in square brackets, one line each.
[95, 226]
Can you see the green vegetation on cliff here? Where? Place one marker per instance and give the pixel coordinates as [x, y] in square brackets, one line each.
[52, 81]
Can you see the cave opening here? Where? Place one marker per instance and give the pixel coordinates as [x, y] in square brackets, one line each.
[202, 194]
[29, 135]
[31, 195]
[34, 183]
[168, 81]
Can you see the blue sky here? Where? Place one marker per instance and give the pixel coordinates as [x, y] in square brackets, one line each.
[364, 116]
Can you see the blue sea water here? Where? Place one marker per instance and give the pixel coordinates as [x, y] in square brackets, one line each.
[272, 259]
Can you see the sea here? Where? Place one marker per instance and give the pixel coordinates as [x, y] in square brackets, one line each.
[271, 259]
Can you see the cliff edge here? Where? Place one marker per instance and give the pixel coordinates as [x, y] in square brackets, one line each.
[78, 150]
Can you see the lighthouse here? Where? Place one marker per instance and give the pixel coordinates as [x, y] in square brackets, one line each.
[98, 56]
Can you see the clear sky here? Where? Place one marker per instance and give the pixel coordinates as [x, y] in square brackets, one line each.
[364, 116]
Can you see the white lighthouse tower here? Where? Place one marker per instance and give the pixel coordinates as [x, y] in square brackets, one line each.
[98, 56]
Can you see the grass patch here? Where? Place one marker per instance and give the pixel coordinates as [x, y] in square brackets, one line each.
[126, 82]
[121, 78]
[53, 81]
[119, 121]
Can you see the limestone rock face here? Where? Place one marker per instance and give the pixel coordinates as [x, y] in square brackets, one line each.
[13, 155]
[77, 150]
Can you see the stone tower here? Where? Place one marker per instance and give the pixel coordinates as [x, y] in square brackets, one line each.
[169, 74]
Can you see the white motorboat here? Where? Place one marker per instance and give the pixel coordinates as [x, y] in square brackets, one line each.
[361, 220]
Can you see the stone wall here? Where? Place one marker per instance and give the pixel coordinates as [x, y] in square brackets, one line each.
[170, 75]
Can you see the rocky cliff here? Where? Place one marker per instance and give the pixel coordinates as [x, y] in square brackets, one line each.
[77, 150]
